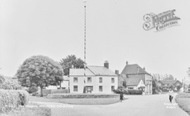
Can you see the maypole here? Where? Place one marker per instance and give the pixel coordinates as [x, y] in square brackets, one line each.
[85, 64]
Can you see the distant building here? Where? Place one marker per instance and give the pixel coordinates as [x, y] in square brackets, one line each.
[64, 84]
[93, 79]
[136, 78]
[168, 84]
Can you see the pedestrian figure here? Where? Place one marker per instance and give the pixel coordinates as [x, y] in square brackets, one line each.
[121, 96]
[171, 95]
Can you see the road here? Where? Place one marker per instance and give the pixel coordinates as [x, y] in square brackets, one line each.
[147, 105]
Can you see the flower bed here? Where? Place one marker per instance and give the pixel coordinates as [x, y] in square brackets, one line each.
[60, 96]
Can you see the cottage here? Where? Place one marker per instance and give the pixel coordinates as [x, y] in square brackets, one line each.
[136, 77]
[93, 79]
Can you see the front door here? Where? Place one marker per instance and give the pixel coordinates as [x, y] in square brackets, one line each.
[89, 89]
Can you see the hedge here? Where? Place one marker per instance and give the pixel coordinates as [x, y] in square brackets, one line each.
[127, 92]
[11, 99]
[60, 96]
[54, 91]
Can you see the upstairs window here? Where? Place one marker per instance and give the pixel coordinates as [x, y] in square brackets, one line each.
[112, 80]
[100, 80]
[89, 79]
[75, 80]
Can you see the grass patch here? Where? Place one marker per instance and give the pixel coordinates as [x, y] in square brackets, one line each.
[183, 100]
[30, 110]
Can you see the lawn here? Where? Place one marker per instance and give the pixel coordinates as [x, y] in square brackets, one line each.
[183, 100]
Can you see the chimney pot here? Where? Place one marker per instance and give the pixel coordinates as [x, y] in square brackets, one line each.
[106, 64]
[117, 72]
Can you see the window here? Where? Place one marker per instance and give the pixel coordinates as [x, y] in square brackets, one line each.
[100, 80]
[75, 88]
[112, 80]
[75, 80]
[89, 79]
[112, 88]
[100, 88]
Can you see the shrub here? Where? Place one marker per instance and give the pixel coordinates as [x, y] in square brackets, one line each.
[10, 84]
[127, 92]
[11, 99]
[32, 89]
[135, 92]
[119, 91]
[54, 91]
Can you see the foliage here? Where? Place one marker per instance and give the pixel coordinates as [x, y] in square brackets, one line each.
[11, 99]
[70, 61]
[35, 110]
[32, 89]
[128, 92]
[2, 79]
[8, 83]
[40, 71]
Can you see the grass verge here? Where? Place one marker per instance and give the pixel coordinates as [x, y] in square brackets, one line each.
[31, 109]
[183, 100]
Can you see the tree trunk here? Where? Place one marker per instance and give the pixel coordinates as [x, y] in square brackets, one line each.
[60, 84]
[41, 90]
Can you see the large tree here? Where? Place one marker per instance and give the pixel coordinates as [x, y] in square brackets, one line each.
[40, 71]
[71, 61]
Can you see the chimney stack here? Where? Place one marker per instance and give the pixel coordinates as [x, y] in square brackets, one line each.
[126, 62]
[106, 64]
[117, 72]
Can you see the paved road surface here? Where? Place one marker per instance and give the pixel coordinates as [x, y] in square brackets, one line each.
[148, 105]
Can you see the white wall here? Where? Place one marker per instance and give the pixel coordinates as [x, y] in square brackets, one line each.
[65, 84]
[148, 83]
[106, 84]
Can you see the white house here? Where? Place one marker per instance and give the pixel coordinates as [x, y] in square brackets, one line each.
[93, 79]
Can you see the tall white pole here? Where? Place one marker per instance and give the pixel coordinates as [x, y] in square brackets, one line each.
[85, 64]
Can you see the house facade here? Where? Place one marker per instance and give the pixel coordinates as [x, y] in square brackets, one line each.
[93, 79]
[136, 78]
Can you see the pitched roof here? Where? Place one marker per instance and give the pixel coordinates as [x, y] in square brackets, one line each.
[93, 71]
[170, 82]
[101, 70]
[133, 69]
[133, 80]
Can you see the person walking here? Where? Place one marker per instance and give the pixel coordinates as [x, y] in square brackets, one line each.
[121, 96]
[170, 95]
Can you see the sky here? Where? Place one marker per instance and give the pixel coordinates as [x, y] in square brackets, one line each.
[55, 28]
